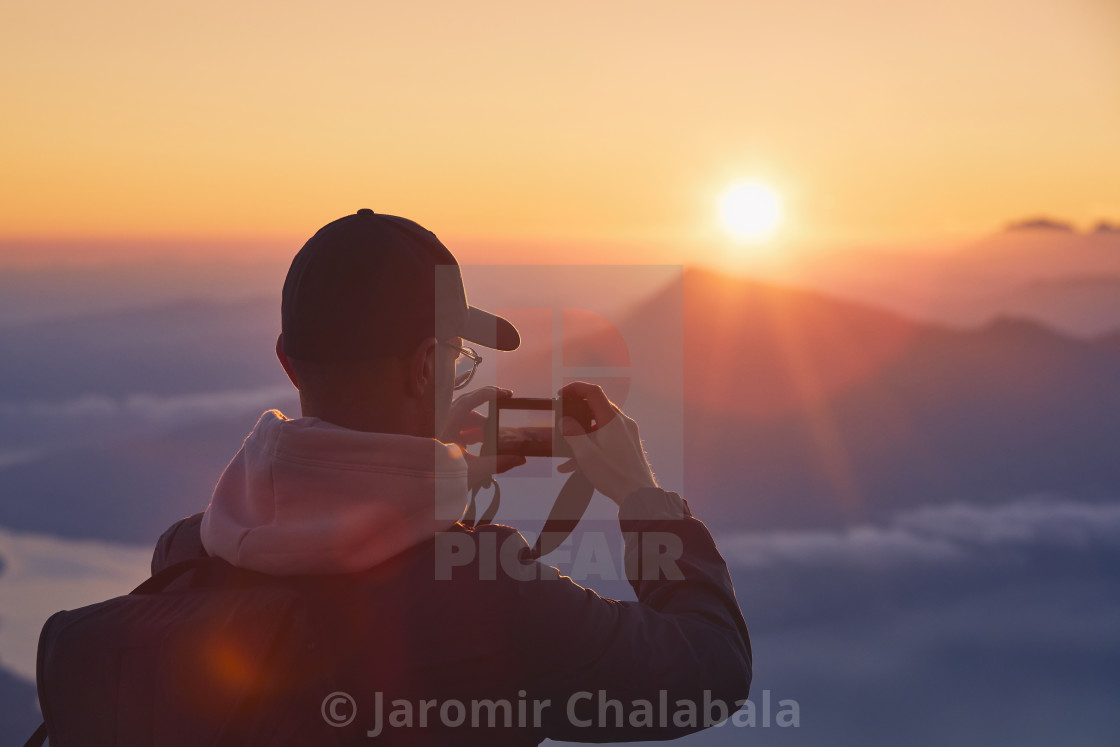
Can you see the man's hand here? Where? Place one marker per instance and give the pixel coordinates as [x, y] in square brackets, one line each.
[611, 455]
[464, 427]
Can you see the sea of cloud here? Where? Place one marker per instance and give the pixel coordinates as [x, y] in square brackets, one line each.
[954, 533]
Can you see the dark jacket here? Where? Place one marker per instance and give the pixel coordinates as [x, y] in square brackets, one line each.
[469, 618]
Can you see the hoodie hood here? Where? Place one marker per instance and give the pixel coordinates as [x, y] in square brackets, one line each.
[304, 496]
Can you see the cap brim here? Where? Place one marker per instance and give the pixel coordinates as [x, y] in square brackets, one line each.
[490, 330]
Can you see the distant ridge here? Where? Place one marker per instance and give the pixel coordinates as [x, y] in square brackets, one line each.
[179, 346]
[1049, 224]
[1023, 328]
[1040, 224]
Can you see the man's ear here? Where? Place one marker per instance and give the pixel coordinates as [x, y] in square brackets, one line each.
[283, 358]
[422, 367]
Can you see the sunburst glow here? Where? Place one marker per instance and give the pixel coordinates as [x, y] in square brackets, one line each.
[750, 210]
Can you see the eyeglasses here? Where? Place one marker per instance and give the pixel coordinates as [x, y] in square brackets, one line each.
[466, 363]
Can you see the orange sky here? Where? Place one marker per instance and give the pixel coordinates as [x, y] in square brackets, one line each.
[611, 122]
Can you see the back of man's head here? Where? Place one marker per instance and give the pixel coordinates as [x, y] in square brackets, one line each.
[360, 297]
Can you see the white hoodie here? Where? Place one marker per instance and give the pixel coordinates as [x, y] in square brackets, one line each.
[305, 496]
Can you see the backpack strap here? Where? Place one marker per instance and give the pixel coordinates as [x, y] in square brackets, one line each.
[163, 579]
[37, 739]
[569, 508]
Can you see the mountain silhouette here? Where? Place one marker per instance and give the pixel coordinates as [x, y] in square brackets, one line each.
[804, 410]
[1061, 278]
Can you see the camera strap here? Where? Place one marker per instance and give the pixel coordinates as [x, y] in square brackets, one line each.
[568, 509]
[491, 510]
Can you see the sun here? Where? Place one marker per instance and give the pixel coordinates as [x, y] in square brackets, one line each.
[750, 210]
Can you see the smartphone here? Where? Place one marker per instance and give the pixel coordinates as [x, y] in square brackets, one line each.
[527, 426]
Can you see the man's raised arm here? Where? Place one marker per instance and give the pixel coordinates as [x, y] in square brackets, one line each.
[675, 661]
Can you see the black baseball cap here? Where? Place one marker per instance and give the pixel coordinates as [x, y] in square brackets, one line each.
[368, 285]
